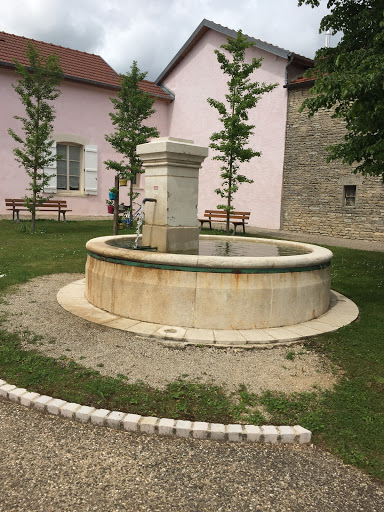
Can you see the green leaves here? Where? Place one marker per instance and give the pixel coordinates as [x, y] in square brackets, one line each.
[131, 108]
[243, 95]
[37, 89]
[350, 78]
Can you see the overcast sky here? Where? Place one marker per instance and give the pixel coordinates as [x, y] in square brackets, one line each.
[153, 31]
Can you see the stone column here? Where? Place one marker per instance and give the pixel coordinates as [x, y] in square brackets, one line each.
[172, 179]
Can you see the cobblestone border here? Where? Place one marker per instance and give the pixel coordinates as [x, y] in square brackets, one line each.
[152, 425]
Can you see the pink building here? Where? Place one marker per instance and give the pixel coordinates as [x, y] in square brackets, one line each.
[82, 120]
[194, 75]
[182, 111]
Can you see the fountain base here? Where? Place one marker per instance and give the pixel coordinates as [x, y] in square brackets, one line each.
[342, 312]
[209, 292]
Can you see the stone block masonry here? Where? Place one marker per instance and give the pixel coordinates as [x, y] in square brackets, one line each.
[152, 425]
[313, 191]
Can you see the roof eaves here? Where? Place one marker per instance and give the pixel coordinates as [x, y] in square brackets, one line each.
[168, 95]
[167, 91]
[300, 83]
[204, 26]
[92, 82]
[160, 97]
[72, 78]
[6, 64]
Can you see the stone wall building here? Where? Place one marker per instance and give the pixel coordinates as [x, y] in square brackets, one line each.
[319, 197]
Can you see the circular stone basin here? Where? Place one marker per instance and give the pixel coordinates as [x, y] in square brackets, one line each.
[209, 292]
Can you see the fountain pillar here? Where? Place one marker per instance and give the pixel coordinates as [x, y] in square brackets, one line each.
[172, 178]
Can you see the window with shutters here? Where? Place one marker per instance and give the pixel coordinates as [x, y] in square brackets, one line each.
[76, 170]
[68, 167]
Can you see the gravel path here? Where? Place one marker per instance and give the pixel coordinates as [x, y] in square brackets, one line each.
[33, 308]
[50, 464]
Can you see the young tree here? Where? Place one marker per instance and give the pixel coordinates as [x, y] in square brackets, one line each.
[131, 107]
[350, 78]
[37, 88]
[243, 95]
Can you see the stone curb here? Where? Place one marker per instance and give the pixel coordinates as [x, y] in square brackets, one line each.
[152, 425]
[342, 312]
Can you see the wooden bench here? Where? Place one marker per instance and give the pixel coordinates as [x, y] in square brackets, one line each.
[50, 205]
[235, 218]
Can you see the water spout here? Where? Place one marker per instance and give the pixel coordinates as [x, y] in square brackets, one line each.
[140, 219]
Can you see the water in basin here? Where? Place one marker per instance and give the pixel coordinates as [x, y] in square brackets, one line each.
[230, 248]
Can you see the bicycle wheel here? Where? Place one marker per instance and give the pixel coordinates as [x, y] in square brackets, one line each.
[126, 220]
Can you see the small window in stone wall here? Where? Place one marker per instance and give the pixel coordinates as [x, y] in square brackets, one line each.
[349, 196]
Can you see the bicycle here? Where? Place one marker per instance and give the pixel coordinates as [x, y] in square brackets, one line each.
[125, 218]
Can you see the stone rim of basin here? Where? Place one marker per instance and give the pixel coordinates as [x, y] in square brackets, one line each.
[317, 255]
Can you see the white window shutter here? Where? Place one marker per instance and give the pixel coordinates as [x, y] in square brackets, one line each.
[90, 179]
[51, 171]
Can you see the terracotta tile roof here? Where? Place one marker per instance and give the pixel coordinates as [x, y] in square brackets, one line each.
[155, 90]
[302, 80]
[76, 65]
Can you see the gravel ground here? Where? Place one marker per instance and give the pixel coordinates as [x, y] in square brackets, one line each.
[50, 464]
[33, 308]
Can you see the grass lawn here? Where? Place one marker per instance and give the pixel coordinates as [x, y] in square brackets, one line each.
[349, 420]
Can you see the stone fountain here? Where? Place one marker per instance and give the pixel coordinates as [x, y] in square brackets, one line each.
[173, 285]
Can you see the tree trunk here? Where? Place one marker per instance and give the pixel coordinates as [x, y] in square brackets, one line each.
[116, 208]
[131, 200]
[229, 199]
[33, 222]
[33, 206]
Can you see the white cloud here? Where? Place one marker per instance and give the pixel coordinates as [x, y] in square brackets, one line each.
[153, 31]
